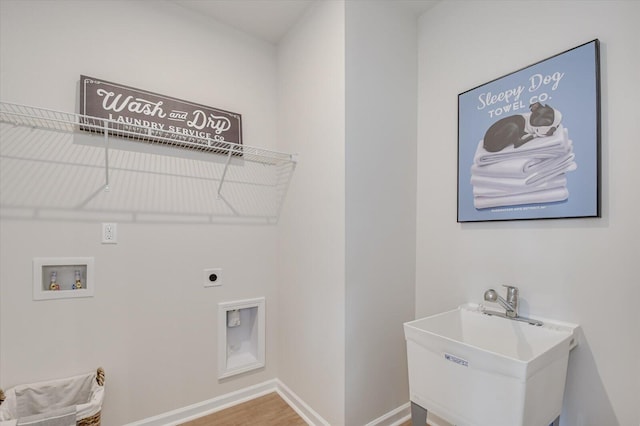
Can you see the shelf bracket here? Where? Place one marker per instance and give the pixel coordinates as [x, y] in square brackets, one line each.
[106, 156]
[224, 173]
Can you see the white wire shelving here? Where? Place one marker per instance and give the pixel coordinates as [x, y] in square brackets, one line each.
[231, 163]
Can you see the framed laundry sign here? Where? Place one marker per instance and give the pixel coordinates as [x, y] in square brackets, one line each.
[529, 142]
[128, 111]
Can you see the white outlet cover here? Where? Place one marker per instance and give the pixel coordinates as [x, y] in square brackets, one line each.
[212, 277]
[109, 233]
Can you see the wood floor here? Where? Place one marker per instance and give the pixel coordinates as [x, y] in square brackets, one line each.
[268, 410]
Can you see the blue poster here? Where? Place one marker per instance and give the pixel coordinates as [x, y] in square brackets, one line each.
[529, 142]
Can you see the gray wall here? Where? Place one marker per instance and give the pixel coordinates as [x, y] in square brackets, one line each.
[381, 97]
[312, 226]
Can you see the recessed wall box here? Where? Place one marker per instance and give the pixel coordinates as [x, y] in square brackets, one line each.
[62, 277]
[241, 336]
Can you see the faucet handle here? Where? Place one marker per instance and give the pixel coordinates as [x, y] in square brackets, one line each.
[512, 294]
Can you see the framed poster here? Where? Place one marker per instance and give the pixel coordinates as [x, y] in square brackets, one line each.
[529, 142]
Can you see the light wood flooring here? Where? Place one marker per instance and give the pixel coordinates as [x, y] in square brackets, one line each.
[268, 410]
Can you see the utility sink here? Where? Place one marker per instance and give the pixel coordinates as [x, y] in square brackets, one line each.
[474, 369]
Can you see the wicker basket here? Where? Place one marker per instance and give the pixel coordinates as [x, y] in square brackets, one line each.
[90, 421]
[84, 420]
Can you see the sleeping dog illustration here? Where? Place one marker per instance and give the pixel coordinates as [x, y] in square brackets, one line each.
[517, 130]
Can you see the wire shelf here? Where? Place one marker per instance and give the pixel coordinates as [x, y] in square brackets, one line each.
[24, 115]
[255, 180]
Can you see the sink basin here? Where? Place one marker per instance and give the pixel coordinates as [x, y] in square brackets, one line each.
[473, 369]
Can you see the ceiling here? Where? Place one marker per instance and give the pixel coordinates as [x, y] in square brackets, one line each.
[269, 19]
[265, 19]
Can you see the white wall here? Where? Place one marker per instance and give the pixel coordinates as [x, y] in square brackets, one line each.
[583, 270]
[151, 324]
[381, 100]
[311, 231]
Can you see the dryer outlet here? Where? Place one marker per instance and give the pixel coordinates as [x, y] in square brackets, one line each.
[213, 277]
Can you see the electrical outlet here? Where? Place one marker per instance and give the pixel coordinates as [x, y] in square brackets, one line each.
[109, 233]
[213, 277]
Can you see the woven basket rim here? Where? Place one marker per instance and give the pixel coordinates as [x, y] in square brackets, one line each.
[90, 421]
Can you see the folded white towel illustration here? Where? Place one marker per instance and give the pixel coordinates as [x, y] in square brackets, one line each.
[517, 185]
[521, 167]
[486, 191]
[555, 146]
[537, 197]
[567, 165]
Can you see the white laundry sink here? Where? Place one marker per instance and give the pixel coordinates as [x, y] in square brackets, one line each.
[473, 369]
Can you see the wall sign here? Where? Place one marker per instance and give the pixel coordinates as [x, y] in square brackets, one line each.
[529, 142]
[135, 110]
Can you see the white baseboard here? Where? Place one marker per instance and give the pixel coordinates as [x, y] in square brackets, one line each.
[191, 412]
[437, 421]
[181, 415]
[299, 406]
[402, 414]
[204, 408]
[394, 417]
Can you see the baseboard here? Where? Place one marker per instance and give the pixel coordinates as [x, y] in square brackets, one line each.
[394, 417]
[402, 414]
[204, 408]
[181, 415]
[191, 412]
[299, 406]
[434, 420]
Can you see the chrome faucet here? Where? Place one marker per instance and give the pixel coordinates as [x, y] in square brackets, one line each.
[510, 304]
